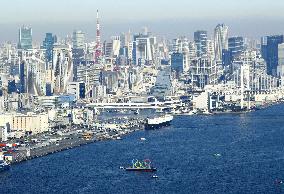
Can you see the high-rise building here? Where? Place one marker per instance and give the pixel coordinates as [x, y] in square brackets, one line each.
[200, 39]
[236, 46]
[25, 38]
[220, 40]
[269, 51]
[177, 62]
[23, 77]
[280, 67]
[78, 39]
[48, 45]
[78, 50]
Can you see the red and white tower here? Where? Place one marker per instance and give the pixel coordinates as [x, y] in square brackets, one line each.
[98, 49]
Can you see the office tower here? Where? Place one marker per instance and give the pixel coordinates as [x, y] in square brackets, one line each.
[220, 40]
[210, 49]
[110, 80]
[200, 39]
[203, 71]
[115, 45]
[25, 38]
[235, 46]
[78, 50]
[23, 76]
[269, 51]
[177, 62]
[78, 39]
[144, 51]
[112, 48]
[48, 45]
[280, 67]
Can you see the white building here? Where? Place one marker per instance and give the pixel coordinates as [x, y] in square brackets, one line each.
[30, 122]
[77, 89]
[280, 67]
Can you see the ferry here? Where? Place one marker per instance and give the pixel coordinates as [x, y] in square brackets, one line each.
[144, 166]
[4, 166]
[158, 122]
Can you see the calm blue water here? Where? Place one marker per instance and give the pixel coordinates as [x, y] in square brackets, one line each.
[251, 148]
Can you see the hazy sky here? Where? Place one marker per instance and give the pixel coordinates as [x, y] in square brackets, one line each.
[165, 17]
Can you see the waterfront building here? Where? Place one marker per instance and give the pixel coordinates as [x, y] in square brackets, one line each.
[25, 38]
[203, 71]
[220, 40]
[280, 67]
[200, 39]
[269, 51]
[3, 133]
[30, 122]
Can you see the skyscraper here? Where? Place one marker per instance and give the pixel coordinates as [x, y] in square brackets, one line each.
[269, 51]
[200, 39]
[78, 39]
[23, 77]
[25, 38]
[280, 67]
[236, 46]
[177, 62]
[48, 45]
[220, 40]
[78, 50]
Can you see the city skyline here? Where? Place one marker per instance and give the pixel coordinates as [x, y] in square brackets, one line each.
[188, 16]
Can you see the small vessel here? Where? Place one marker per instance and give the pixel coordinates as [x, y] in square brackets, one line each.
[143, 139]
[155, 176]
[143, 166]
[118, 138]
[136, 112]
[4, 166]
[158, 122]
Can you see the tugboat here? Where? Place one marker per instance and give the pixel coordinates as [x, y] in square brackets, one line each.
[4, 166]
[144, 166]
[158, 122]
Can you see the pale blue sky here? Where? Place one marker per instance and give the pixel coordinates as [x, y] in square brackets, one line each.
[254, 17]
[84, 10]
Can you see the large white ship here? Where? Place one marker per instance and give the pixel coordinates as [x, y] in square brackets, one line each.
[157, 122]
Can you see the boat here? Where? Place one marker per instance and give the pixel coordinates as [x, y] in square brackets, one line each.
[158, 122]
[136, 112]
[155, 176]
[144, 166]
[143, 139]
[4, 166]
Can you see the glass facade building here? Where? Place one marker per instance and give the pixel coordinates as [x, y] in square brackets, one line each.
[25, 38]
